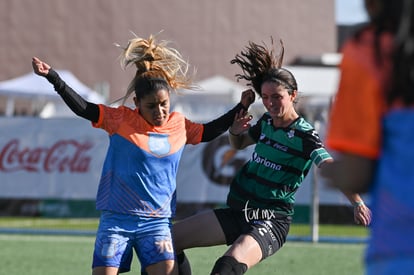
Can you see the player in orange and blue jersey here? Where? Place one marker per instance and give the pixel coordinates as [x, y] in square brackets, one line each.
[137, 190]
[371, 129]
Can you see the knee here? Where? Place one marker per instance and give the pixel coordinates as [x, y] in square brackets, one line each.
[228, 265]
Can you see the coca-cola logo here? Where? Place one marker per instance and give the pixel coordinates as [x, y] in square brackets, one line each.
[62, 156]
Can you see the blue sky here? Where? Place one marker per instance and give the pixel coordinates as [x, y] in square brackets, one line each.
[349, 12]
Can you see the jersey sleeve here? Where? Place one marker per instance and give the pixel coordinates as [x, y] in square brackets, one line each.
[314, 148]
[194, 132]
[319, 156]
[220, 125]
[354, 125]
[110, 118]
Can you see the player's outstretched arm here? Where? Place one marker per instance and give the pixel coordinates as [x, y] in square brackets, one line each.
[338, 179]
[220, 125]
[75, 102]
[39, 67]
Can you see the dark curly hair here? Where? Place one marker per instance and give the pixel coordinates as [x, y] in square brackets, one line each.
[260, 65]
[402, 85]
[395, 17]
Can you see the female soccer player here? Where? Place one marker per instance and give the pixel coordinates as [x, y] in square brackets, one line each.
[137, 189]
[262, 193]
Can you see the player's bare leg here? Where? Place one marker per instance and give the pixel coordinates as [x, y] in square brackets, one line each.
[162, 268]
[105, 270]
[245, 250]
[200, 230]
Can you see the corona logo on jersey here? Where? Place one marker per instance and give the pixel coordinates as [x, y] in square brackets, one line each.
[221, 161]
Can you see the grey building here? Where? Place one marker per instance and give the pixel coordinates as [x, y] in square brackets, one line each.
[79, 35]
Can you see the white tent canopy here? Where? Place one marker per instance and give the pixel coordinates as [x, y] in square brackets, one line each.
[215, 96]
[38, 90]
[317, 86]
[316, 81]
[218, 94]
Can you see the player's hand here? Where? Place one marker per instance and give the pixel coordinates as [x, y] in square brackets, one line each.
[362, 215]
[40, 67]
[247, 98]
[241, 123]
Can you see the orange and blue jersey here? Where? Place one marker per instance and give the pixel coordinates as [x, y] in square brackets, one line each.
[392, 201]
[139, 172]
[355, 119]
[362, 123]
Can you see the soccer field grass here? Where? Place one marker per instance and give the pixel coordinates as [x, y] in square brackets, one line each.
[38, 254]
[89, 226]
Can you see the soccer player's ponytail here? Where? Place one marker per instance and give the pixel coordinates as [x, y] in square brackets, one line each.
[157, 65]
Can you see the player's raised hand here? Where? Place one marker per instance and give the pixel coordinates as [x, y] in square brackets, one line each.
[241, 122]
[247, 98]
[40, 67]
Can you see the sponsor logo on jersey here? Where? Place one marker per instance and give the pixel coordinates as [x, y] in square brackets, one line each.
[265, 162]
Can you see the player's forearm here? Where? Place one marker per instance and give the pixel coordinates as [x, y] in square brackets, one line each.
[73, 100]
[220, 125]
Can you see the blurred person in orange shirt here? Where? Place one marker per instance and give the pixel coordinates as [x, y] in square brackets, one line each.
[371, 129]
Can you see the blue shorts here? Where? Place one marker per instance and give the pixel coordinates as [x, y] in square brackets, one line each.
[118, 234]
[386, 266]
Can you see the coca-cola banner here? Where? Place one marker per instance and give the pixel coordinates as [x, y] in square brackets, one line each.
[62, 159]
[50, 158]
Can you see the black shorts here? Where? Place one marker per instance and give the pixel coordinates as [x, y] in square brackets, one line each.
[269, 232]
